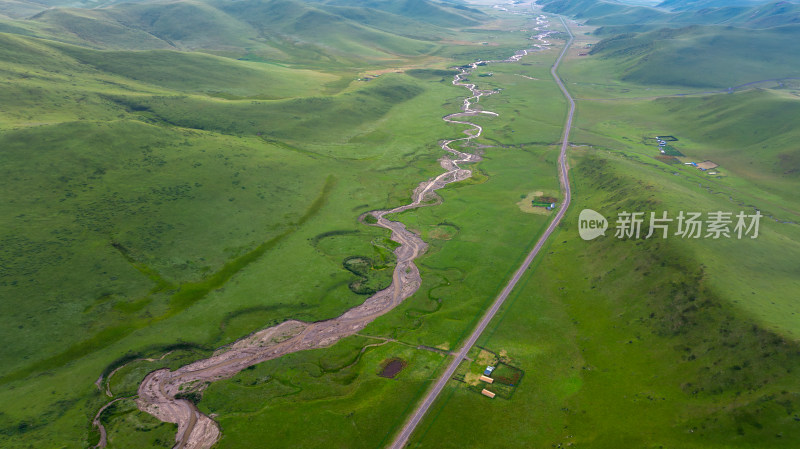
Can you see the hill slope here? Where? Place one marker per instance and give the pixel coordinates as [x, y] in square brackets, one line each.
[682, 5]
[314, 32]
[600, 12]
[697, 56]
[132, 192]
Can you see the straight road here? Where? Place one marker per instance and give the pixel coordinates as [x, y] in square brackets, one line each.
[402, 438]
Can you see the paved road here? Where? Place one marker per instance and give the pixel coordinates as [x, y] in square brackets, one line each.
[402, 438]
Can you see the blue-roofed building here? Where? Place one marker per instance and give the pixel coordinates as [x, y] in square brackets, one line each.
[488, 371]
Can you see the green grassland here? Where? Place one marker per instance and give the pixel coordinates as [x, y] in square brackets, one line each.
[630, 343]
[459, 284]
[686, 61]
[621, 15]
[169, 203]
[530, 110]
[161, 204]
[200, 73]
[661, 342]
[683, 5]
[165, 257]
[478, 221]
[321, 34]
[703, 57]
[750, 133]
[759, 175]
[337, 390]
[126, 427]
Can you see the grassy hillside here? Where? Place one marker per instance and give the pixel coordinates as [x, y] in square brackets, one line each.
[652, 343]
[328, 33]
[188, 25]
[601, 12]
[339, 389]
[92, 28]
[678, 5]
[774, 14]
[697, 56]
[630, 343]
[112, 160]
[154, 196]
[319, 120]
[751, 134]
[129, 195]
[197, 72]
[426, 11]
[605, 13]
[31, 63]
[317, 33]
[162, 203]
[19, 9]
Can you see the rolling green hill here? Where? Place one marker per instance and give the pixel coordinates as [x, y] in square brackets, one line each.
[317, 32]
[314, 33]
[609, 13]
[656, 343]
[635, 343]
[678, 5]
[197, 72]
[178, 174]
[712, 57]
[773, 14]
[181, 71]
[187, 25]
[93, 28]
[425, 11]
[750, 133]
[142, 181]
[324, 120]
[19, 9]
[598, 12]
[116, 178]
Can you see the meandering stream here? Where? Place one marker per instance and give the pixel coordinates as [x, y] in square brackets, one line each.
[157, 392]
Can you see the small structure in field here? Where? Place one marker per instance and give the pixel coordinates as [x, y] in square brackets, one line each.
[489, 370]
[548, 202]
[707, 165]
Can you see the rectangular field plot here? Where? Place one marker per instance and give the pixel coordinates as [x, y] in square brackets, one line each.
[504, 377]
[669, 150]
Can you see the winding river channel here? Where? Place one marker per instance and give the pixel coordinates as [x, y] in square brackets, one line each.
[157, 392]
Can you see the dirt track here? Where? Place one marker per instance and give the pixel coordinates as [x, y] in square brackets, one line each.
[158, 390]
